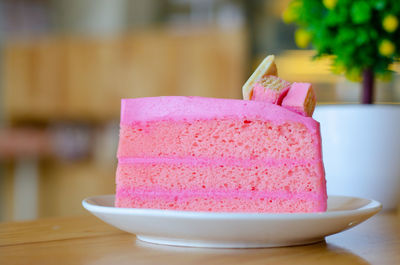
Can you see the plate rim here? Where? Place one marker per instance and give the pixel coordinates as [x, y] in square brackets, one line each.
[372, 207]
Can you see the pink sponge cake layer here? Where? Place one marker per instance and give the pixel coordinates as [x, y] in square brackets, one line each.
[221, 155]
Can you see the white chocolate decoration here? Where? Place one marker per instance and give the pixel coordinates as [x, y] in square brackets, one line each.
[267, 67]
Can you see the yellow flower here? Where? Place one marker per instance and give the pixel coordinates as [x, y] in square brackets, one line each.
[302, 38]
[291, 13]
[390, 23]
[330, 4]
[288, 16]
[386, 48]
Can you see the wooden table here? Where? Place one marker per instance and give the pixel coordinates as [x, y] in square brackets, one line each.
[87, 240]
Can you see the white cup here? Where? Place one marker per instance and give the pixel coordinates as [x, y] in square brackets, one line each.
[361, 151]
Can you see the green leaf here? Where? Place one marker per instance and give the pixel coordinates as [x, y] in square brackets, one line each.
[362, 37]
[351, 32]
[380, 4]
[360, 12]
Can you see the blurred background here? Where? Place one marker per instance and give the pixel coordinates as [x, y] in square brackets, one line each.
[65, 65]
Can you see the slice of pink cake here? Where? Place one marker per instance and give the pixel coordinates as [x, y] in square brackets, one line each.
[219, 155]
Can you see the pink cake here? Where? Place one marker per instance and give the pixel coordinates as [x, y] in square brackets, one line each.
[270, 89]
[219, 155]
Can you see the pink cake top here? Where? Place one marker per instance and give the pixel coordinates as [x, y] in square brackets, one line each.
[197, 108]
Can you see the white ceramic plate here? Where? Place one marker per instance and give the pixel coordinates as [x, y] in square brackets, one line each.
[234, 230]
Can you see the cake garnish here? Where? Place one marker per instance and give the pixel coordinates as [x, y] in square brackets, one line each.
[267, 67]
[300, 99]
[265, 85]
[271, 89]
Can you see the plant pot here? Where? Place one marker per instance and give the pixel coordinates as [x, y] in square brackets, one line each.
[361, 151]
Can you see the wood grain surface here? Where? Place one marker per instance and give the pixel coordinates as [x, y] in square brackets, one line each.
[86, 240]
[84, 79]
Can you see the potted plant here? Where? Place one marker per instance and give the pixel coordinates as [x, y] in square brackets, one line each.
[361, 145]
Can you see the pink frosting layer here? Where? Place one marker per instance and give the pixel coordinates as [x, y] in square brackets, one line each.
[123, 192]
[200, 161]
[198, 108]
